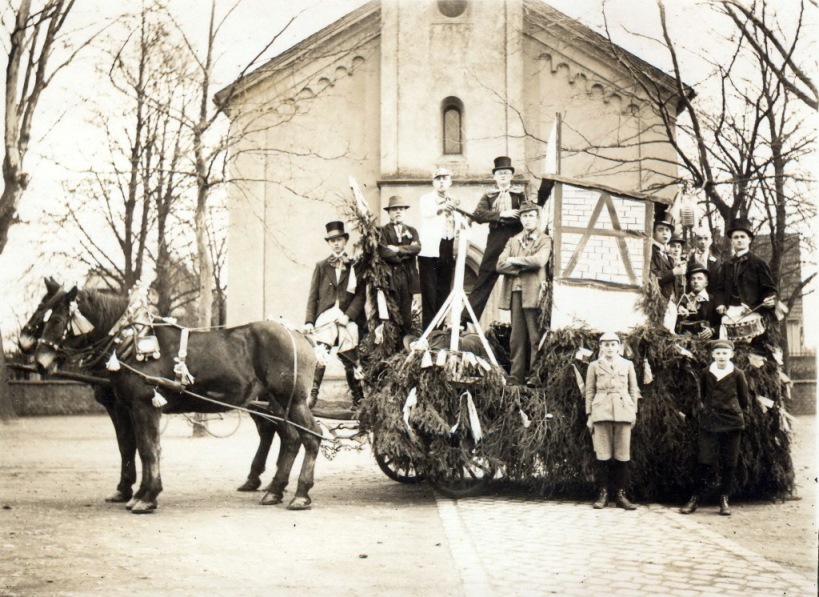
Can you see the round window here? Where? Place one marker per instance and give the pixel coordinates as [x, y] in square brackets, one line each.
[452, 8]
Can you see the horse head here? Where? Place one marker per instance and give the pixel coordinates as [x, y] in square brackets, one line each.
[55, 331]
[34, 326]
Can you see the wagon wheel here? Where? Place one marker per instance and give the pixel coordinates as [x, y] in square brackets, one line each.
[218, 424]
[469, 480]
[400, 470]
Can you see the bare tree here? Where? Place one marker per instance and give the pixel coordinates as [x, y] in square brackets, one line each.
[33, 40]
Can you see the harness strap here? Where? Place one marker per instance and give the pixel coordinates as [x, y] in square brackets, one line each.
[295, 372]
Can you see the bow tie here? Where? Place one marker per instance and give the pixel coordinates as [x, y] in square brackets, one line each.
[339, 261]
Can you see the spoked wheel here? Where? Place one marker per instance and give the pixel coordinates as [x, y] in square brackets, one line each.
[469, 480]
[400, 470]
[219, 424]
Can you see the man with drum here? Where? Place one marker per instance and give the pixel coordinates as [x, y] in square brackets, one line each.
[745, 285]
[696, 311]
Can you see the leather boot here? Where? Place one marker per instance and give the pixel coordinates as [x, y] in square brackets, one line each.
[691, 505]
[724, 509]
[602, 500]
[621, 501]
[318, 376]
[355, 387]
[603, 484]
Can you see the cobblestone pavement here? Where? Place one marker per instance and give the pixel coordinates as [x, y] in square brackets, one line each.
[566, 548]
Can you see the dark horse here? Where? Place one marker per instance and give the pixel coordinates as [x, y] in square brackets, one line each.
[121, 419]
[259, 361]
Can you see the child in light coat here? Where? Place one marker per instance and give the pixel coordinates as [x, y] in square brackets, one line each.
[611, 406]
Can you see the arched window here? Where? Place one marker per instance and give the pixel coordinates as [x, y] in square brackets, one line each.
[452, 8]
[453, 125]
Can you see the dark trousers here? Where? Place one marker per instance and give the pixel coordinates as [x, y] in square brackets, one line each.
[436, 280]
[524, 339]
[401, 292]
[487, 272]
[717, 451]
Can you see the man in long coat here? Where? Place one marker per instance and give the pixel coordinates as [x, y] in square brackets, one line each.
[334, 304]
[399, 246]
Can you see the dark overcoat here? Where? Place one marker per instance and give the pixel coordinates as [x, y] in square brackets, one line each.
[325, 291]
[723, 401]
[752, 277]
[403, 263]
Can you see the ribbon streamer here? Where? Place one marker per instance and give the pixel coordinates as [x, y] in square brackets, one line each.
[381, 301]
[648, 374]
[756, 360]
[579, 379]
[474, 421]
[79, 324]
[412, 400]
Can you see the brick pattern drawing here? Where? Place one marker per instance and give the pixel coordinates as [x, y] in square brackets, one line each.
[601, 237]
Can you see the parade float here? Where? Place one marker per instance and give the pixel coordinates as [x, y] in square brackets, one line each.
[445, 409]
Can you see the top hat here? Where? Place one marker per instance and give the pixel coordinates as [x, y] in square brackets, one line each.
[503, 163]
[666, 219]
[396, 201]
[740, 224]
[722, 343]
[694, 268]
[609, 336]
[440, 172]
[676, 238]
[334, 230]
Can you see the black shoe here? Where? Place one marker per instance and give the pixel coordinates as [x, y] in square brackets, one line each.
[622, 501]
[691, 505]
[602, 500]
[724, 509]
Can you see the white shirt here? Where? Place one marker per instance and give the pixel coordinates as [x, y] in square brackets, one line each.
[433, 225]
[721, 373]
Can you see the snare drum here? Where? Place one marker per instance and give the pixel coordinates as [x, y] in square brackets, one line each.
[741, 327]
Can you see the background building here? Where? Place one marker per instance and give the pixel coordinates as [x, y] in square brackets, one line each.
[395, 89]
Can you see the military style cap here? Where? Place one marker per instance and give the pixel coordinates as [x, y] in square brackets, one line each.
[609, 336]
[722, 343]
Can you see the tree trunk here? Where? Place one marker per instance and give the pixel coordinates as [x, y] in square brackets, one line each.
[6, 408]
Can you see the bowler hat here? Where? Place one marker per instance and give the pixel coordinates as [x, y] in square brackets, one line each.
[396, 201]
[676, 238]
[503, 163]
[609, 336]
[694, 268]
[666, 220]
[722, 343]
[334, 230]
[528, 206]
[740, 224]
[439, 172]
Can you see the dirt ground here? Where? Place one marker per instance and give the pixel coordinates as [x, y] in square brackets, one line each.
[365, 535]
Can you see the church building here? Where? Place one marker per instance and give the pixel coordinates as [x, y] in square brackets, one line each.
[399, 87]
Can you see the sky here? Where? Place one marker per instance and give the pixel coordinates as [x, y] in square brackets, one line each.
[69, 137]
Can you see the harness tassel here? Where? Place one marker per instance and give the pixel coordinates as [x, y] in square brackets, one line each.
[158, 400]
[113, 362]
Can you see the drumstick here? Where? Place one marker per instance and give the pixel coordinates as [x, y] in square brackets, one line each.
[743, 315]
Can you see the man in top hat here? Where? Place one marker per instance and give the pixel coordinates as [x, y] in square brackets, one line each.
[335, 302]
[697, 312]
[436, 261]
[662, 267]
[523, 265]
[398, 247]
[702, 252]
[500, 209]
[745, 279]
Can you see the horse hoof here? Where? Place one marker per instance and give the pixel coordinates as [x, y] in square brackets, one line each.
[271, 499]
[143, 507]
[250, 485]
[131, 503]
[300, 503]
[118, 498]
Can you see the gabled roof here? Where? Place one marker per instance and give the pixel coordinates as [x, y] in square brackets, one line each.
[370, 10]
[533, 9]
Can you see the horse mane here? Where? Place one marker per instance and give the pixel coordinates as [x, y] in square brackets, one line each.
[102, 309]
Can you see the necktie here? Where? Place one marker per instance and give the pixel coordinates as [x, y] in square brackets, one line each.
[504, 201]
[339, 261]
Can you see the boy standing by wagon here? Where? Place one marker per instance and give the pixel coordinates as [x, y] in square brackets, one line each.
[611, 406]
[723, 398]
